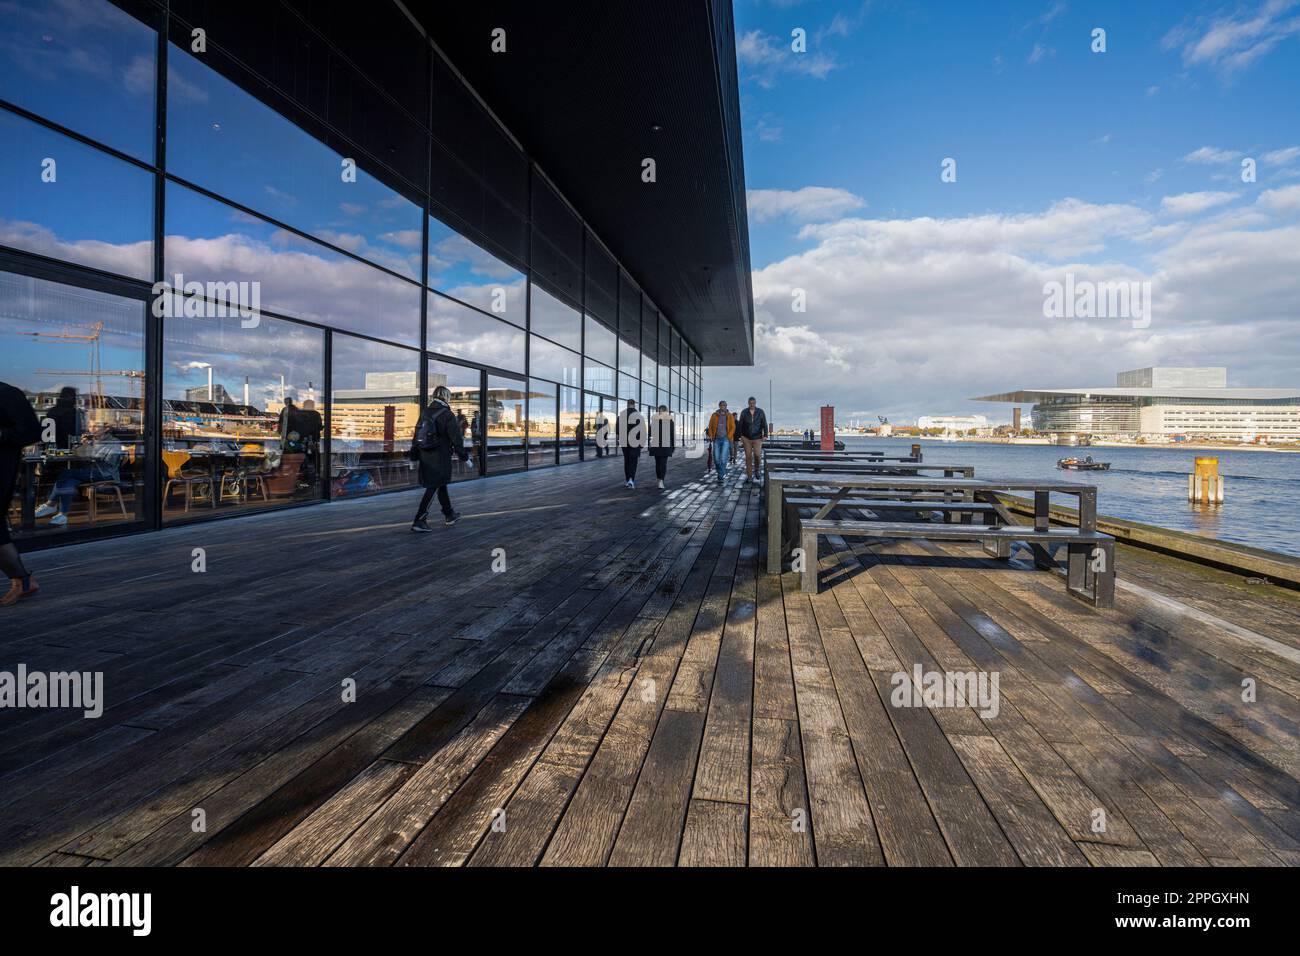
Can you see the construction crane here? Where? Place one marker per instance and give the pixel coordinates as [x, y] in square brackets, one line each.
[96, 331]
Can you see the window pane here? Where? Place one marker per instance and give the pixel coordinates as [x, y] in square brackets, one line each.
[458, 330]
[570, 423]
[209, 241]
[241, 426]
[601, 343]
[598, 378]
[552, 362]
[594, 420]
[541, 423]
[505, 419]
[89, 67]
[96, 210]
[628, 387]
[374, 407]
[467, 271]
[91, 470]
[227, 141]
[555, 320]
[465, 393]
[629, 359]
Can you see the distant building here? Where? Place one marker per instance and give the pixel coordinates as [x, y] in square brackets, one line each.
[219, 394]
[1162, 402]
[953, 423]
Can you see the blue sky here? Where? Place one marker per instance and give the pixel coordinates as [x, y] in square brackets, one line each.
[1125, 162]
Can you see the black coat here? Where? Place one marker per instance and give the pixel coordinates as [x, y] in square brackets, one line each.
[751, 426]
[435, 463]
[19, 426]
[67, 422]
[662, 439]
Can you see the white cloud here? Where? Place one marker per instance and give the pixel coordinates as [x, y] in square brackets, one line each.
[1280, 157]
[1234, 42]
[1039, 52]
[913, 316]
[1211, 155]
[764, 58]
[1284, 200]
[1189, 204]
[809, 204]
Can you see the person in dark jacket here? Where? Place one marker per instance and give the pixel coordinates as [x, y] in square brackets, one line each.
[67, 418]
[437, 436]
[751, 429]
[19, 427]
[663, 439]
[631, 436]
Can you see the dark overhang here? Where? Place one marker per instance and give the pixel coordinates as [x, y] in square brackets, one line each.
[591, 88]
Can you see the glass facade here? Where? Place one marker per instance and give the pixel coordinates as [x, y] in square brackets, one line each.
[228, 285]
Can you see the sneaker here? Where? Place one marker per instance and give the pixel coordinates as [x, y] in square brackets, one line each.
[745, 480]
[661, 483]
[451, 519]
[59, 520]
[45, 510]
[420, 525]
[17, 592]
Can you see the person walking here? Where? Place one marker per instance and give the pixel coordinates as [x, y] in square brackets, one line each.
[601, 426]
[751, 426]
[721, 431]
[437, 436]
[19, 427]
[663, 439]
[631, 436]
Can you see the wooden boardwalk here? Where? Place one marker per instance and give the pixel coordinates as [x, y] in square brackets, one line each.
[631, 690]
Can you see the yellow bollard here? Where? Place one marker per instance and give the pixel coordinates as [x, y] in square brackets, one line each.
[1205, 485]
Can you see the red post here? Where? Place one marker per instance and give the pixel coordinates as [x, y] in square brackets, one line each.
[828, 428]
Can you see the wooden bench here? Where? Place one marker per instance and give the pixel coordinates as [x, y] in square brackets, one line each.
[1096, 586]
[948, 507]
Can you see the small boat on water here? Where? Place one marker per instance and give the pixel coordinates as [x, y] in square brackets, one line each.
[1083, 464]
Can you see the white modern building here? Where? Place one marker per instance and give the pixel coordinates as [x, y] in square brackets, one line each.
[1162, 403]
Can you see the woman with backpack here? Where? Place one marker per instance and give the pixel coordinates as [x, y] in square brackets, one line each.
[663, 439]
[437, 435]
[19, 428]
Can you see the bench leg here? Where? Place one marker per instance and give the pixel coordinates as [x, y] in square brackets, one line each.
[808, 580]
[1044, 560]
[1103, 585]
[999, 548]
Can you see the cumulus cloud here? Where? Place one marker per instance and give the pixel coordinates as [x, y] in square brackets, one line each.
[907, 317]
[809, 204]
[1190, 204]
[1211, 155]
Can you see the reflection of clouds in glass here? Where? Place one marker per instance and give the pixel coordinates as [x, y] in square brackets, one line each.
[456, 330]
[84, 63]
[296, 276]
[263, 354]
[459, 268]
[129, 259]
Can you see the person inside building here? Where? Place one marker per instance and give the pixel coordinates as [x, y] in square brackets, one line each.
[100, 459]
[601, 427]
[721, 432]
[69, 423]
[663, 439]
[310, 427]
[631, 436]
[751, 428]
[19, 428]
[437, 437]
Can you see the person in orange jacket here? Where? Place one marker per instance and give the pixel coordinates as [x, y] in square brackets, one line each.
[721, 433]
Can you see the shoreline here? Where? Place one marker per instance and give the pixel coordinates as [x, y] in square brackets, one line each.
[1162, 446]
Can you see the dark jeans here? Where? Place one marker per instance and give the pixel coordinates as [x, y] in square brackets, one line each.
[65, 488]
[9, 464]
[661, 467]
[444, 499]
[630, 456]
